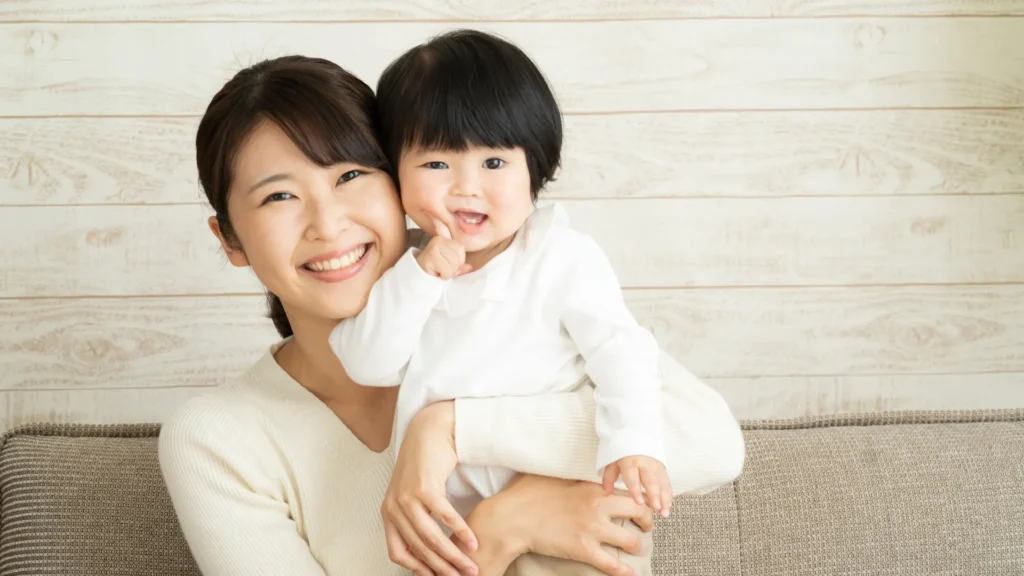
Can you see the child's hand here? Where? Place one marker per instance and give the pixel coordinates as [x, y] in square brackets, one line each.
[443, 257]
[642, 474]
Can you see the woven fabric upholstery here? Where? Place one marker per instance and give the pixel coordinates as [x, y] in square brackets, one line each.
[899, 493]
[700, 537]
[902, 493]
[87, 500]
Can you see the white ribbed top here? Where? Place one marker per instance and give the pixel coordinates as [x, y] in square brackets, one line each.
[266, 479]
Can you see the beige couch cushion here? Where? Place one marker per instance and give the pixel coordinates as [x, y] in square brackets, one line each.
[906, 493]
[87, 500]
[896, 493]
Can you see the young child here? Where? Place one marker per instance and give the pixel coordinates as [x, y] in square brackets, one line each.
[506, 298]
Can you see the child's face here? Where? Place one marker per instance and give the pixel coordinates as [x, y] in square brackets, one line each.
[482, 194]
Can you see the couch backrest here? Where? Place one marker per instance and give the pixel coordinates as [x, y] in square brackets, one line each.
[889, 493]
[924, 493]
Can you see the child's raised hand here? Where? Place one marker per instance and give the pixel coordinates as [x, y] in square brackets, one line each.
[443, 257]
[642, 474]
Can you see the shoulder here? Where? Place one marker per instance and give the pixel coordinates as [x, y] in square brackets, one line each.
[551, 237]
[222, 424]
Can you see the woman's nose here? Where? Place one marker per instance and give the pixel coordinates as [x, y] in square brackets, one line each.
[327, 219]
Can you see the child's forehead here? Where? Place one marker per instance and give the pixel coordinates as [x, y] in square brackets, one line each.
[469, 148]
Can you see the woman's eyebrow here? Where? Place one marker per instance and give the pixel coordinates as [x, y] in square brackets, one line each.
[270, 180]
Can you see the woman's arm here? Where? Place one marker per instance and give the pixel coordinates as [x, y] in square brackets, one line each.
[234, 521]
[554, 434]
[558, 518]
[546, 435]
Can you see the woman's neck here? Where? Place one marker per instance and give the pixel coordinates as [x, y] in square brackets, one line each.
[367, 411]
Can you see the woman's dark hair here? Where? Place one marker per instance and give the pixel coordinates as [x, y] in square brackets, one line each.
[465, 88]
[326, 111]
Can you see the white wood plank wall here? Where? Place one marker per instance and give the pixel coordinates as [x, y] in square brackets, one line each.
[817, 205]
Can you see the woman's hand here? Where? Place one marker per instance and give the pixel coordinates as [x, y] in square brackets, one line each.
[417, 492]
[560, 518]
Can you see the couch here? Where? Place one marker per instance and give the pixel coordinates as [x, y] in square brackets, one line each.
[898, 493]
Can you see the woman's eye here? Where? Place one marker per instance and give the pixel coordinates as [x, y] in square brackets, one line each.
[277, 197]
[436, 165]
[350, 175]
[493, 163]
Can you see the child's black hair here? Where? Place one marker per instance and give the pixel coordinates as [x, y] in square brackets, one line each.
[469, 88]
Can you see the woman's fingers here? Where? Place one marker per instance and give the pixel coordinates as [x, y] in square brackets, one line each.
[398, 552]
[423, 551]
[443, 510]
[431, 535]
[600, 558]
[623, 507]
[621, 537]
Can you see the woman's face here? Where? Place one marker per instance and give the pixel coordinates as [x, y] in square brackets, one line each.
[316, 237]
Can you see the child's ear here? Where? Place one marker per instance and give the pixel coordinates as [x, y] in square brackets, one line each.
[235, 254]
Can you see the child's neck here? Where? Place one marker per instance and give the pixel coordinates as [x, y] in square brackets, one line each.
[480, 258]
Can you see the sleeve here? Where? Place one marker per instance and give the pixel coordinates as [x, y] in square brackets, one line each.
[553, 434]
[621, 358]
[375, 345]
[231, 511]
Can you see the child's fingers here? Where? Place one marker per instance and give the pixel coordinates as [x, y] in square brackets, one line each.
[441, 230]
[631, 476]
[650, 480]
[611, 474]
[666, 492]
[464, 269]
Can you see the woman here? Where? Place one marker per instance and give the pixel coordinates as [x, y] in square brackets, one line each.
[284, 470]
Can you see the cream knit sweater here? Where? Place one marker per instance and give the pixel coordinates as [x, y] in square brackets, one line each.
[266, 480]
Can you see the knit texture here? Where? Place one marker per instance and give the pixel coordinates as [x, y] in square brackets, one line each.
[882, 494]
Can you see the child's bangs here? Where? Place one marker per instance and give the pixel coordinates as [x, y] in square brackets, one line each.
[453, 117]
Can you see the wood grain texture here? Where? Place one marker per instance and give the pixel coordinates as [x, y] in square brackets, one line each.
[153, 250]
[325, 10]
[109, 406]
[748, 398]
[762, 332]
[754, 398]
[50, 161]
[719, 334]
[808, 241]
[154, 69]
[130, 343]
[830, 153]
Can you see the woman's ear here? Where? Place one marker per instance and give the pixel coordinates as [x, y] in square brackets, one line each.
[235, 254]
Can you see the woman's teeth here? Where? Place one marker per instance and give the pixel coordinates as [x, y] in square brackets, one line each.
[339, 262]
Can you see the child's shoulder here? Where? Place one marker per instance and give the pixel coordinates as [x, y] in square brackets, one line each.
[563, 247]
[553, 235]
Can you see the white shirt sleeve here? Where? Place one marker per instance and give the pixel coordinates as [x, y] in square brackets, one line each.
[375, 345]
[621, 357]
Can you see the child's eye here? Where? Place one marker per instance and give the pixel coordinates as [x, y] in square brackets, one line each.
[436, 165]
[493, 163]
[349, 176]
[277, 197]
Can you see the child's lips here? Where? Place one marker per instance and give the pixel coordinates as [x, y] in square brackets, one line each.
[470, 222]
